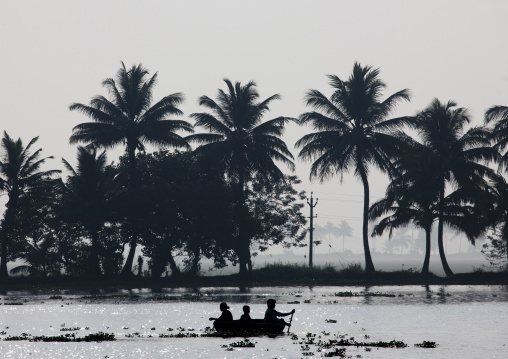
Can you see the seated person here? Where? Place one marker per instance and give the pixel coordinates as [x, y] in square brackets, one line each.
[226, 314]
[271, 314]
[245, 316]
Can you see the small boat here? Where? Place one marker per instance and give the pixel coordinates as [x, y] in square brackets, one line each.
[254, 325]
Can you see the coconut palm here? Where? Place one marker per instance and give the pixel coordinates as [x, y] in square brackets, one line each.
[410, 198]
[461, 156]
[498, 214]
[498, 115]
[21, 178]
[353, 133]
[128, 118]
[241, 146]
[87, 198]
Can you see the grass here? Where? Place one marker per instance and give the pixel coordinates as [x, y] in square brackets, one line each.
[278, 274]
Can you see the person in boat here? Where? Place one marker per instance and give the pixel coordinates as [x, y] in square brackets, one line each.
[271, 314]
[226, 314]
[246, 314]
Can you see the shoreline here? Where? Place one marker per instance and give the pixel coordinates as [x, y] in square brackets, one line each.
[264, 277]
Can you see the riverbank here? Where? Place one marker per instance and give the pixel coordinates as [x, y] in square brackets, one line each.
[271, 275]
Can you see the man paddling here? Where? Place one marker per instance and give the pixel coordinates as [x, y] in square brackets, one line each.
[271, 314]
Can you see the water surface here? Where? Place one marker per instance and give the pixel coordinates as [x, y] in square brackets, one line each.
[465, 321]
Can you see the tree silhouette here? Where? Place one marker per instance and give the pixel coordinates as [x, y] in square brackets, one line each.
[87, 199]
[23, 181]
[457, 154]
[241, 146]
[352, 133]
[128, 118]
[345, 230]
[498, 116]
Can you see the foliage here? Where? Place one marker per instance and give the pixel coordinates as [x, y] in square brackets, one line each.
[275, 212]
[241, 146]
[129, 118]
[26, 185]
[87, 204]
[352, 132]
[460, 157]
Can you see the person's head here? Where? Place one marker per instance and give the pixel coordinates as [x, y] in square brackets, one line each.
[223, 306]
[271, 303]
[246, 309]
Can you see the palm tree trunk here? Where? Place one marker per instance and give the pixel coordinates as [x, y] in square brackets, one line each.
[426, 261]
[95, 270]
[127, 267]
[243, 242]
[440, 232]
[133, 184]
[196, 256]
[175, 271]
[369, 265]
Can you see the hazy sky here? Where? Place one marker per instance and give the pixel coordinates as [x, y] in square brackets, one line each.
[54, 53]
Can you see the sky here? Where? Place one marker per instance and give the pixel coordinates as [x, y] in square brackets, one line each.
[54, 53]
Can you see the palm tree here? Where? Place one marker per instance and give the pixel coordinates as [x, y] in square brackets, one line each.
[352, 133]
[241, 146]
[128, 118]
[21, 178]
[499, 116]
[457, 152]
[498, 214]
[410, 198]
[87, 196]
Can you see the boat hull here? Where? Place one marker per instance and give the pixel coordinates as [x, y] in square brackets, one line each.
[254, 325]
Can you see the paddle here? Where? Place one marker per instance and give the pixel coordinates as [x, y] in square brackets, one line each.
[290, 320]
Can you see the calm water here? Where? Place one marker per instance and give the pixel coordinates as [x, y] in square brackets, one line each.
[465, 322]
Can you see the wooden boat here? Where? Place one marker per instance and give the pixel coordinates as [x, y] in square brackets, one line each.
[254, 325]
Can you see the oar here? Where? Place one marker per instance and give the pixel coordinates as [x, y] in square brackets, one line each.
[290, 320]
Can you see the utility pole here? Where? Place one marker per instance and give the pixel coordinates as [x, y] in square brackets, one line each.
[311, 205]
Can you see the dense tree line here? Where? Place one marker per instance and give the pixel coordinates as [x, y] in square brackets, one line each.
[227, 198]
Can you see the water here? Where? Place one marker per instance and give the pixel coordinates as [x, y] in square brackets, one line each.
[465, 322]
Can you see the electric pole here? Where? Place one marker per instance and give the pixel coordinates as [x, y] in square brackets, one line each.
[311, 205]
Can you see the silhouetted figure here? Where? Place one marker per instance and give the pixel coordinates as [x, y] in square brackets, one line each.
[271, 314]
[226, 314]
[245, 316]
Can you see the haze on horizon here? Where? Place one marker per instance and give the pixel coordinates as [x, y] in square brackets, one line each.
[54, 53]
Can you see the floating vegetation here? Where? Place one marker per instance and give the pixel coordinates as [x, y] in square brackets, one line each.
[70, 329]
[426, 344]
[345, 294]
[246, 343]
[97, 337]
[112, 296]
[351, 342]
[180, 335]
[364, 294]
[336, 352]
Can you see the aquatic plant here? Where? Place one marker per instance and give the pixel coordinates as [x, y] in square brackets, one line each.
[336, 352]
[70, 329]
[97, 337]
[246, 343]
[426, 344]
